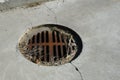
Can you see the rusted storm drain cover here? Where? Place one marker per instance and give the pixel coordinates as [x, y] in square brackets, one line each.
[50, 45]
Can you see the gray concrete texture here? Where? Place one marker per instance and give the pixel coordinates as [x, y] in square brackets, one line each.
[10, 4]
[96, 21]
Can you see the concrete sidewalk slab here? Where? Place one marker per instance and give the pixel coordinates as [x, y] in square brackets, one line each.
[96, 21]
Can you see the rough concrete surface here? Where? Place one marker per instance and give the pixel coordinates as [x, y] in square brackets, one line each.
[11, 4]
[96, 21]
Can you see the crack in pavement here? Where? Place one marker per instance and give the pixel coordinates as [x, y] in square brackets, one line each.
[52, 12]
[76, 68]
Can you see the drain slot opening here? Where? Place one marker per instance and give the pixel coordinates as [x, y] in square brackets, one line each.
[47, 37]
[42, 37]
[38, 37]
[54, 46]
[47, 53]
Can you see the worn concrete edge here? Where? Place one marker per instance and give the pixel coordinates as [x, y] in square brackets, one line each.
[7, 7]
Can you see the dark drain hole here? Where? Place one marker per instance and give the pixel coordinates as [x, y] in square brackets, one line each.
[54, 46]
[59, 52]
[53, 36]
[47, 53]
[38, 37]
[33, 39]
[59, 49]
[42, 37]
[54, 52]
[47, 39]
[64, 51]
[58, 37]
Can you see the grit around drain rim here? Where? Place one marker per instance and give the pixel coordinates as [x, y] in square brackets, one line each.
[28, 35]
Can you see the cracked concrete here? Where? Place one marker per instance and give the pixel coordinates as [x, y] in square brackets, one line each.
[76, 68]
[96, 21]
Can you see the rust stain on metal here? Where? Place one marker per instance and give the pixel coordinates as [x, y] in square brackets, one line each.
[48, 46]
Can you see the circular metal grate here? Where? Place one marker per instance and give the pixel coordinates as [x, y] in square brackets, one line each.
[50, 45]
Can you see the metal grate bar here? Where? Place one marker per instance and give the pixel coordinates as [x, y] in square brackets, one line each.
[44, 41]
[59, 52]
[51, 46]
[52, 43]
